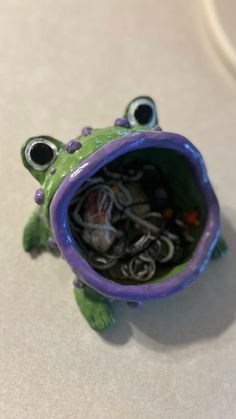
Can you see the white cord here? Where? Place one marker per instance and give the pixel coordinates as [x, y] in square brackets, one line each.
[221, 40]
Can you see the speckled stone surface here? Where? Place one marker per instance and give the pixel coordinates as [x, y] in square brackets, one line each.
[170, 359]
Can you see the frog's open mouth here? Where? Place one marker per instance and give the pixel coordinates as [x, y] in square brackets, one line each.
[168, 234]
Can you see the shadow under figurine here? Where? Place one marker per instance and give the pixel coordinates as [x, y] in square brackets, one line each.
[130, 208]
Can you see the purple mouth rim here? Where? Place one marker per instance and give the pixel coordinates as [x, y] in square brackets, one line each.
[109, 152]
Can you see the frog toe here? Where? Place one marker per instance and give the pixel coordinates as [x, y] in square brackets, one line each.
[101, 316]
[35, 235]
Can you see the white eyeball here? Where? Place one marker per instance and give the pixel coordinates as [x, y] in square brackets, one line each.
[40, 153]
[142, 111]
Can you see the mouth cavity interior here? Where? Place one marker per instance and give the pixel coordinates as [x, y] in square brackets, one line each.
[139, 218]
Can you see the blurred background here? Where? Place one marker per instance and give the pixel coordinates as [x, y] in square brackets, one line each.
[66, 64]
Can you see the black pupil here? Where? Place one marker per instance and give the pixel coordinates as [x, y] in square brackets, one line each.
[41, 154]
[143, 114]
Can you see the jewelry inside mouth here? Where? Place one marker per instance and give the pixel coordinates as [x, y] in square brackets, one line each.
[139, 217]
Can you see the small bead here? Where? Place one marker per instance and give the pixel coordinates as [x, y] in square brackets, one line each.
[122, 122]
[86, 131]
[39, 196]
[157, 128]
[52, 243]
[72, 146]
[134, 304]
[78, 284]
[53, 170]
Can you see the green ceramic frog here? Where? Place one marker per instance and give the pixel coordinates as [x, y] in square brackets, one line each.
[62, 169]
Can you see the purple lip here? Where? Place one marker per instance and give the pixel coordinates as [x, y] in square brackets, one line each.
[109, 152]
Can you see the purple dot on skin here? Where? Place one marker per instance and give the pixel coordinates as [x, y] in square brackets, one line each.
[52, 243]
[122, 122]
[53, 170]
[39, 196]
[72, 146]
[134, 304]
[78, 284]
[86, 131]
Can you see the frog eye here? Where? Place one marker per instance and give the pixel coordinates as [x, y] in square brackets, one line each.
[142, 111]
[40, 153]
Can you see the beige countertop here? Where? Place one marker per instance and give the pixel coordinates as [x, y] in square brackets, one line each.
[70, 63]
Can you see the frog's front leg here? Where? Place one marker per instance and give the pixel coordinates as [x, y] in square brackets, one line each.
[220, 249]
[36, 234]
[95, 308]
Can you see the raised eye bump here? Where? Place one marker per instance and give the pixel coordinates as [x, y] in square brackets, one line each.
[142, 111]
[40, 153]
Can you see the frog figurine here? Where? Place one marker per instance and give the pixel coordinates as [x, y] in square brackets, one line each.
[63, 170]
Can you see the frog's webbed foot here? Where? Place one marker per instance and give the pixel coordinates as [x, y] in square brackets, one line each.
[96, 309]
[220, 249]
[35, 235]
